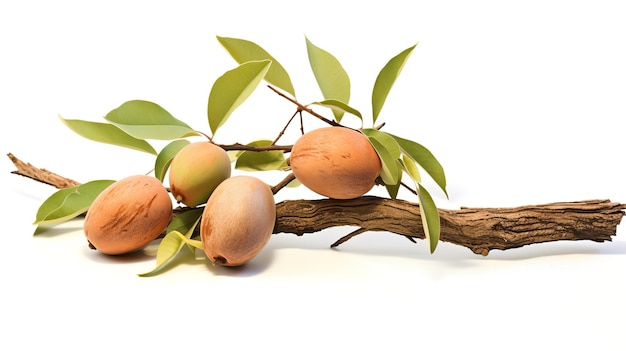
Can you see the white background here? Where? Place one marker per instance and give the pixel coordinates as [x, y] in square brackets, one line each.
[522, 103]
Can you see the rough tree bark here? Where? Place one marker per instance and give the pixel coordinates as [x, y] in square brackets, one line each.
[479, 229]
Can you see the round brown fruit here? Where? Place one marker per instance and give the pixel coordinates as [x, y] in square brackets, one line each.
[128, 215]
[336, 162]
[238, 220]
[196, 170]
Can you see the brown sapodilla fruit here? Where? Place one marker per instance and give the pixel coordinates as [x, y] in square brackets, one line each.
[128, 215]
[196, 170]
[238, 220]
[336, 162]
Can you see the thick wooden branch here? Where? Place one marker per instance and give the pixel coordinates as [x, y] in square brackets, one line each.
[479, 229]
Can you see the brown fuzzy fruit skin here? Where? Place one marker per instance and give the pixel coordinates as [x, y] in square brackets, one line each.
[336, 162]
[196, 170]
[238, 220]
[128, 215]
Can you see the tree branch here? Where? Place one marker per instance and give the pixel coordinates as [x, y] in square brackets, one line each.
[242, 147]
[479, 229]
[40, 174]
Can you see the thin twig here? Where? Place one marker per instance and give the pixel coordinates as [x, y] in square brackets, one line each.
[40, 174]
[304, 108]
[283, 183]
[282, 132]
[347, 237]
[242, 147]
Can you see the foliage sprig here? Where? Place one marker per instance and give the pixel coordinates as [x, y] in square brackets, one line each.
[134, 124]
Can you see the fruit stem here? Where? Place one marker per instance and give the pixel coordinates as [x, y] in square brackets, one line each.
[205, 135]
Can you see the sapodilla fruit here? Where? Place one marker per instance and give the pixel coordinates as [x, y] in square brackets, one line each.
[238, 220]
[196, 170]
[128, 215]
[336, 162]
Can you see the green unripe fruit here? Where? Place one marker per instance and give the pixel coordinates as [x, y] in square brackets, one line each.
[196, 170]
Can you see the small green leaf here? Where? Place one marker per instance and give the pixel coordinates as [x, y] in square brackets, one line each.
[147, 120]
[336, 105]
[232, 88]
[169, 248]
[243, 51]
[185, 222]
[164, 158]
[393, 189]
[424, 158]
[108, 134]
[330, 75]
[174, 241]
[388, 152]
[411, 169]
[430, 217]
[385, 80]
[69, 203]
[261, 160]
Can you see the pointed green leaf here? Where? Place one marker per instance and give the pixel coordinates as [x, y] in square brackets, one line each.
[174, 241]
[261, 160]
[386, 78]
[185, 222]
[169, 248]
[147, 120]
[194, 243]
[69, 203]
[108, 134]
[232, 88]
[164, 158]
[411, 169]
[430, 217]
[392, 189]
[388, 152]
[330, 75]
[243, 51]
[424, 158]
[336, 105]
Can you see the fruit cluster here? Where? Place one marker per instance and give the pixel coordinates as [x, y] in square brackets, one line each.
[239, 211]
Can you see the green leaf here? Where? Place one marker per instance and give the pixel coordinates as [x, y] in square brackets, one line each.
[108, 134]
[261, 160]
[169, 248]
[185, 222]
[424, 158]
[147, 120]
[174, 240]
[330, 75]
[430, 217]
[393, 189]
[385, 80]
[388, 152]
[232, 88]
[164, 158]
[336, 105]
[243, 51]
[69, 203]
[411, 169]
